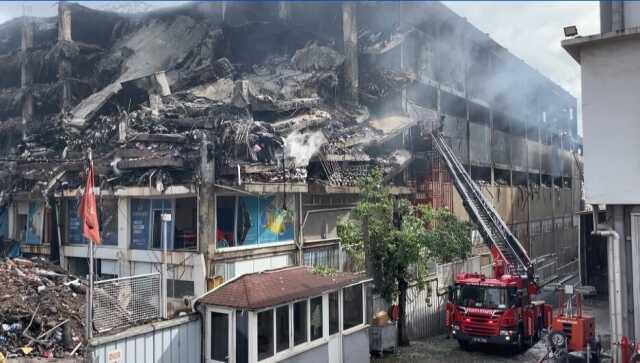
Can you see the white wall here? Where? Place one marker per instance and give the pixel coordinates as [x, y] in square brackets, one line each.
[631, 14]
[611, 119]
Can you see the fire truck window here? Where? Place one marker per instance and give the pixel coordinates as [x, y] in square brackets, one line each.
[512, 296]
[482, 297]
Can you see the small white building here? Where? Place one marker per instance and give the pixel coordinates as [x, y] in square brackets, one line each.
[610, 67]
[291, 314]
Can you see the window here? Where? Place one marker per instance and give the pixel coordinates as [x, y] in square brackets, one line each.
[107, 217]
[179, 288]
[316, 318]
[300, 322]
[4, 223]
[219, 336]
[334, 318]
[265, 334]
[282, 328]
[161, 227]
[186, 224]
[35, 219]
[242, 336]
[352, 306]
[243, 221]
[148, 228]
[21, 227]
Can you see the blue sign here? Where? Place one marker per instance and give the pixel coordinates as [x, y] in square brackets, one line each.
[74, 224]
[140, 220]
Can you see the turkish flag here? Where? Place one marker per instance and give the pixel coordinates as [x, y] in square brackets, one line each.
[88, 211]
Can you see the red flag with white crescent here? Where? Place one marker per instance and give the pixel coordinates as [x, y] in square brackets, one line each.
[88, 211]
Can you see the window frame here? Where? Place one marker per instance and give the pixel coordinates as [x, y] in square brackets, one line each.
[231, 334]
[235, 224]
[293, 349]
[358, 327]
[65, 209]
[172, 201]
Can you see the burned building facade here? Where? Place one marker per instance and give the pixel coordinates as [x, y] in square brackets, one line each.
[229, 137]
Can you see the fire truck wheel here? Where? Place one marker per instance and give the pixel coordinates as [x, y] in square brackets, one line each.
[465, 345]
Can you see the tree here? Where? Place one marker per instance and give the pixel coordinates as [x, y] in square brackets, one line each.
[395, 241]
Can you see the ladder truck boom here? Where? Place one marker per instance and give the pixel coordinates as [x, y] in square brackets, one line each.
[502, 243]
[498, 310]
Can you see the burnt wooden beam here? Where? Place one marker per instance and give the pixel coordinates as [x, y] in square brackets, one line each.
[154, 162]
[168, 138]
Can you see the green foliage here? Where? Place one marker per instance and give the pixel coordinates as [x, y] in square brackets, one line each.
[448, 238]
[324, 271]
[402, 238]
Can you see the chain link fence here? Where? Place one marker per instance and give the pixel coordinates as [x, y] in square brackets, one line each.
[126, 301]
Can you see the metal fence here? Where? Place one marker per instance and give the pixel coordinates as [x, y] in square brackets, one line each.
[425, 313]
[126, 301]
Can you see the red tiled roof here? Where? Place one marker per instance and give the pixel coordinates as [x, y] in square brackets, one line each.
[263, 289]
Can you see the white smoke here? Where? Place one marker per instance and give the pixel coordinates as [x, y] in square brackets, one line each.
[302, 146]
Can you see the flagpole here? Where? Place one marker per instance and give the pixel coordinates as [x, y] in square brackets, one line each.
[90, 293]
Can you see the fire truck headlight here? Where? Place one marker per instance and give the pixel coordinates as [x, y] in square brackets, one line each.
[506, 332]
[455, 327]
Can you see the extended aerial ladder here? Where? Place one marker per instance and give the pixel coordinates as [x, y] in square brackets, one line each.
[509, 255]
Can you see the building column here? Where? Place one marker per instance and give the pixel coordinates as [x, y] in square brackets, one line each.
[350, 38]
[64, 68]
[206, 204]
[26, 76]
[124, 237]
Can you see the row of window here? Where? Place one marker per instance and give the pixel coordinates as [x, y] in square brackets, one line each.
[287, 326]
[240, 221]
[246, 221]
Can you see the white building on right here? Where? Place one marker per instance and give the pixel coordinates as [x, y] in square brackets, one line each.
[610, 63]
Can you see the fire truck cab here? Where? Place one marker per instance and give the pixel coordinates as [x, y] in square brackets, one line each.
[495, 311]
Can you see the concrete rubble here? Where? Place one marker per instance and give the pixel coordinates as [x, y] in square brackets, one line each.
[42, 310]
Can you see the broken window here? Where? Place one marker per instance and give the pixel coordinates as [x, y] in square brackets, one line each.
[453, 105]
[153, 220]
[244, 221]
[186, 224]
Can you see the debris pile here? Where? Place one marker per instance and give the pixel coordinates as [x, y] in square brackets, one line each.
[42, 310]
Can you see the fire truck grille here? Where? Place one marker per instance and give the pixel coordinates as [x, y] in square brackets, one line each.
[482, 325]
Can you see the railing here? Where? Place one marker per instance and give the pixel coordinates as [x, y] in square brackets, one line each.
[126, 301]
[468, 190]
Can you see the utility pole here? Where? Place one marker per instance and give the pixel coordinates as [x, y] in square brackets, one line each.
[166, 223]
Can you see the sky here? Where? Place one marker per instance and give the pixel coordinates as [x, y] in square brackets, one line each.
[530, 30]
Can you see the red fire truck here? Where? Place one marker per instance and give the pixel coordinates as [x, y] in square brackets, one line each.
[499, 309]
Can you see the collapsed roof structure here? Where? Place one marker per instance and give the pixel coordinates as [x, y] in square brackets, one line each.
[145, 92]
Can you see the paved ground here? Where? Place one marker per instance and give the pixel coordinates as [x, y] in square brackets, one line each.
[439, 349]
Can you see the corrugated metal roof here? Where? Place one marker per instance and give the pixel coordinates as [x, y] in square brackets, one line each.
[269, 288]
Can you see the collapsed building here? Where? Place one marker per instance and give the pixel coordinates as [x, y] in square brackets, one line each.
[249, 124]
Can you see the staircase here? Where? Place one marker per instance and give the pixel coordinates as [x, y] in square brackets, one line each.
[491, 226]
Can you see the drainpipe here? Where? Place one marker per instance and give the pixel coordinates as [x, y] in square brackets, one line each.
[615, 283]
